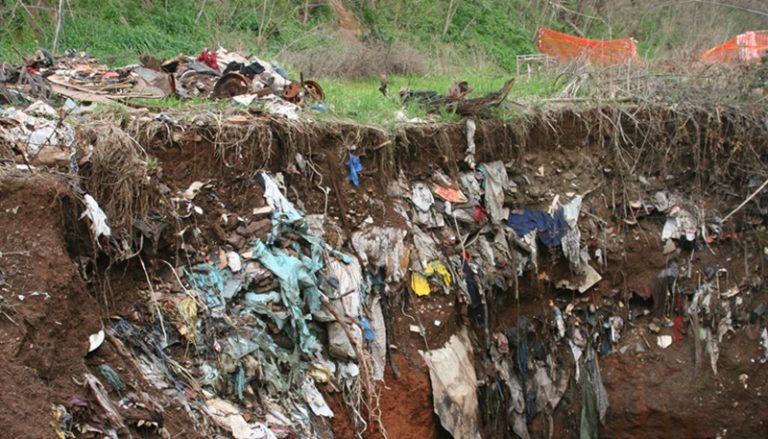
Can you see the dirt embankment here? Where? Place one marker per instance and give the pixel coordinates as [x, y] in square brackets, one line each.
[48, 314]
[653, 392]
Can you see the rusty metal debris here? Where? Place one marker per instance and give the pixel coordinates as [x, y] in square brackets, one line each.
[314, 91]
[384, 85]
[459, 89]
[454, 101]
[291, 92]
[230, 85]
[469, 107]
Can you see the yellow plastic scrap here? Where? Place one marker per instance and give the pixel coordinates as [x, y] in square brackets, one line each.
[419, 284]
[187, 308]
[319, 373]
[58, 415]
[438, 267]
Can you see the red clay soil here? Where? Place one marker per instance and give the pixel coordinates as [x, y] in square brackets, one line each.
[341, 424]
[48, 314]
[44, 337]
[405, 402]
[438, 313]
[656, 392]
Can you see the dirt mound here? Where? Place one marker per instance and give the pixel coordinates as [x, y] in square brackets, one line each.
[406, 402]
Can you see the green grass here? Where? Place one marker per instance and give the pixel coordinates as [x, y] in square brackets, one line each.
[488, 33]
[361, 102]
[478, 41]
[479, 31]
[119, 31]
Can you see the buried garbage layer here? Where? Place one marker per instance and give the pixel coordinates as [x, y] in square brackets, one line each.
[571, 273]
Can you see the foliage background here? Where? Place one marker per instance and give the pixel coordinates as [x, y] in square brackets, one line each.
[364, 38]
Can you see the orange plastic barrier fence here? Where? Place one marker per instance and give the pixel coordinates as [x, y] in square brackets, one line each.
[567, 47]
[747, 47]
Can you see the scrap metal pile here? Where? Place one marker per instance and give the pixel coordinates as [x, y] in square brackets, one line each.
[455, 101]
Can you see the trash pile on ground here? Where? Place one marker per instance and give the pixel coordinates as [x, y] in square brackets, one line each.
[216, 74]
[275, 317]
[37, 134]
[455, 101]
[275, 314]
[469, 241]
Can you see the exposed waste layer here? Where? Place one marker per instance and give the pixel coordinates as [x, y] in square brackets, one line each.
[575, 274]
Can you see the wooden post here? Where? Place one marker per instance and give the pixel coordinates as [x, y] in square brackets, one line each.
[58, 26]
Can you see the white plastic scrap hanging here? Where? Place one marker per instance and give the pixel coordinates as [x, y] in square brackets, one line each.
[680, 224]
[571, 242]
[275, 198]
[469, 156]
[496, 180]
[98, 218]
[454, 386]
[383, 247]
[315, 399]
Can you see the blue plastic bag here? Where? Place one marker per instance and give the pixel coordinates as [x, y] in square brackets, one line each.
[355, 166]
